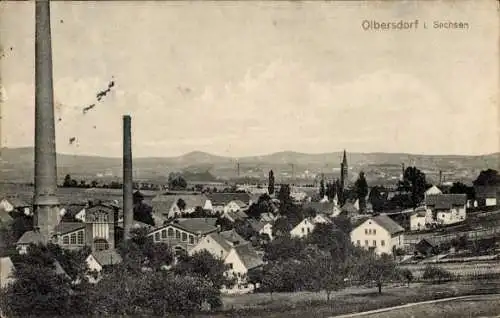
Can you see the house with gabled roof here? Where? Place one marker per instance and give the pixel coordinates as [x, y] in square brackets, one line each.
[15, 204]
[219, 244]
[379, 234]
[328, 208]
[29, 237]
[172, 206]
[421, 219]
[262, 227]
[447, 208]
[99, 260]
[242, 259]
[184, 233]
[220, 202]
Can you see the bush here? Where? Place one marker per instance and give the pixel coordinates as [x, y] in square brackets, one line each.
[437, 274]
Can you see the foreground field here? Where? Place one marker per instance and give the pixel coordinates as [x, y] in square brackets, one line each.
[457, 308]
[349, 300]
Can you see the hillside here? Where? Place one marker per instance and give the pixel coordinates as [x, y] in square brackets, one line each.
[17, 165]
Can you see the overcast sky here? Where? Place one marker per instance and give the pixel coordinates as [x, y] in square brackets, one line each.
[254, 78]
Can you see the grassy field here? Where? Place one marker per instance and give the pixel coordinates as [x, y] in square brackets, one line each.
[458, 308]
[350, 300]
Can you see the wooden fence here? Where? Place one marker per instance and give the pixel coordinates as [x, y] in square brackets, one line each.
[412, 239]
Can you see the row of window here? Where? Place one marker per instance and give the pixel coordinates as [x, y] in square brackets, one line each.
[76, 238]
[370, 232]
[171, 233]
[382, 243]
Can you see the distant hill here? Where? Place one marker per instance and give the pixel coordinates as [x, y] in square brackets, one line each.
[17, 165]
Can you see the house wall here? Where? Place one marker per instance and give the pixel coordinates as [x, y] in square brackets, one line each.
[417, 222]
[454, 215]
[490, 201]
[267, 229]
[174, 236]
[93, 264]
[232, 207]
[303, 228]
[6, 206]
[371, 235]
[237, 268]
[210, 245]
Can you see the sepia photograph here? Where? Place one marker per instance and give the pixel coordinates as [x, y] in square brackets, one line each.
[250, 158]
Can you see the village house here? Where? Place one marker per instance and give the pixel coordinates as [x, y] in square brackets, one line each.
[433, 191]
[268, 217]
[262, 227]
[220, 203]
[98, 261]
[234, 216]
[447, 208]
[184, 234]
[380, 234]
[421, 219]
[328, 208]
[15, 204]
[487, 195]
[307, 225]
[171, 206]
[6, 272]
[73, 213]
[242, 259]
[219, 244]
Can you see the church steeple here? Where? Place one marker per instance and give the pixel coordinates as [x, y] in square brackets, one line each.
[343, 176]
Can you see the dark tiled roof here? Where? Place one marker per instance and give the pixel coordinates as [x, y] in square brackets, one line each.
[445, 201]
[256, 225]
[73, 209]
[107, 257]
[232, 236]
[17, 202]
[248, 256]
[225, 198]
[237, 215]
[196, 225]
[326, 207]
[223, 243]
[163, 203]
[31, 237]
[67, 227]
[388, 224]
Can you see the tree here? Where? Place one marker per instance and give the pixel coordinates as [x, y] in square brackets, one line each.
[361, 189]
[322, 191]
[376, 269]
[67, 181]
[283, 248]
[487, 178]
[378, 198]
[181, 204]
[284, 195]
[436, 274]
[407, 275]
[270, 186]
[414, 181]
[331, 274]
[176, 182]
[461, 188]
[204, 265]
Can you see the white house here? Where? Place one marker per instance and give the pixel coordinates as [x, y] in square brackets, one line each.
[433, 191]
[447, 208]
[321, 218]
[380, 234]
[10, 204]
[420, 219]
[97, 260]
[262, 227]
[240, 260]
[304, 228]
[219, 244]
[6, 272]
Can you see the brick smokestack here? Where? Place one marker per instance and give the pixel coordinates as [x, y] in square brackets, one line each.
[45, 202]
[128, 208]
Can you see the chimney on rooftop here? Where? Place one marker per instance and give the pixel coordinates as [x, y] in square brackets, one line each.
[128, 209]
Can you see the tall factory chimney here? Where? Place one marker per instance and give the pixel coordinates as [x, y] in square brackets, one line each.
[128, 208]
[45, 202]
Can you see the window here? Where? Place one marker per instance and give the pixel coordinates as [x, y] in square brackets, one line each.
[374, 231]
[374, 243]
[191, 239]
[184, 237]
[382, 243]
[170, 232]
[66, 239]
[366, 231]
[164, 234]
[366, 242]
[358, 243]
[73, 238]
[177, 234]
[80, 238]
[308, 230]
[157, 236]
[230, 265]
[101, 244]
[369, 231]
[302, 230]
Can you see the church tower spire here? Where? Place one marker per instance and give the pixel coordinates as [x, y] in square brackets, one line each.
[343, 175]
